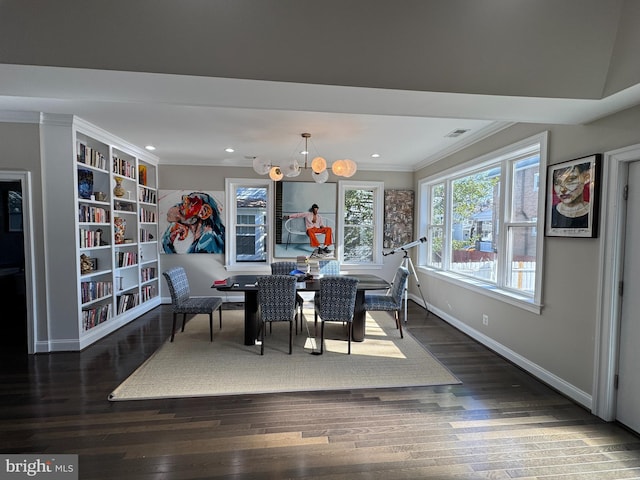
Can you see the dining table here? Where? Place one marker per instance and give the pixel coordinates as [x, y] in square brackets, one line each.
[248, 285]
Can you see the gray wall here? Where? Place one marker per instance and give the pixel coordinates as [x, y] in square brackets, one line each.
[562, 339]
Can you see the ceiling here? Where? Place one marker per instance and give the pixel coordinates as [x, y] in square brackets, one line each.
[200, 86]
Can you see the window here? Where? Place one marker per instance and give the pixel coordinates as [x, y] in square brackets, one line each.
[481, 222]
[247, 222]
[360, 215]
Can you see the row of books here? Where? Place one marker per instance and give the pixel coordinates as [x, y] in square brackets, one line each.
[127, 301]
[147, 196]
[148, 216]
[94, 290]
[91, 238]
[148, 292]
[95, 316]
[126, 259]
[147, 273]
[88, 213]
[124, 167]
[89, 156]
[146, 236]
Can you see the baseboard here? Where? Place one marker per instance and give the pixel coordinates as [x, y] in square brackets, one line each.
[577, 395]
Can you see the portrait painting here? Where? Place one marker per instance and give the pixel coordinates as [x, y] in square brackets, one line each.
[572, 198]
[191, 221]
[295, 198]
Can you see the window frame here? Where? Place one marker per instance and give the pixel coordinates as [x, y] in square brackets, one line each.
[504, 158]
[378, 218]
[231, 187]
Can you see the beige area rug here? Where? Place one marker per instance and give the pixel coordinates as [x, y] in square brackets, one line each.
[192, 366]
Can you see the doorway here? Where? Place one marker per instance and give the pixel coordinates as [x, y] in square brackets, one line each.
[15, 337]
[615, 263]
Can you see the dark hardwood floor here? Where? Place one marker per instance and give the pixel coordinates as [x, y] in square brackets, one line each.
[500, 423]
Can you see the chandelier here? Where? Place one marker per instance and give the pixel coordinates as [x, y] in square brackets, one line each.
[318, 166]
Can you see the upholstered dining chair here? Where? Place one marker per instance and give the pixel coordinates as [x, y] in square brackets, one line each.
[334, 302]
[329, 267]
[277, 301]
[182, 301]
[285, 268]
[392, 300]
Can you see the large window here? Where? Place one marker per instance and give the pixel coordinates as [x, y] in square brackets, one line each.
[481, 222]
[247, 219]
[360, 213]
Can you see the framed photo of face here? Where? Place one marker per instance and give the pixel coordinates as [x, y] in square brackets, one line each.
[572, 201]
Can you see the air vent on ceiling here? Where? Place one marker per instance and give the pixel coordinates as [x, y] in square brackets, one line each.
[457, 132]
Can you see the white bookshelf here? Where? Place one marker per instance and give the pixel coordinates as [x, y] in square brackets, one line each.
[124, 280]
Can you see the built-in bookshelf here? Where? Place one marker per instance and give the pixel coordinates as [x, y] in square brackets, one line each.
[110, 242]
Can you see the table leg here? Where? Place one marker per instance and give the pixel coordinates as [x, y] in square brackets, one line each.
[250, 317]
[359, 318]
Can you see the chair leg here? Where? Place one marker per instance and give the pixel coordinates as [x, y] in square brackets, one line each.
[220, 313]
[262, 339]
[173, 329]
[291, 336]
[399, 323]
[184, 320]
[211, 326]
[350, 331]
[322, 338]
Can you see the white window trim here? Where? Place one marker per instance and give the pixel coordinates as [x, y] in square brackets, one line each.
[231, 185]
[532, 304]
[378, 195]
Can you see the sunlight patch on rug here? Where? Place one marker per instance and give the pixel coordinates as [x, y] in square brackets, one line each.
[192, 366]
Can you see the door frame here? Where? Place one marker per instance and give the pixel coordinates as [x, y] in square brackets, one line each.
[611, 263]
[24, 178]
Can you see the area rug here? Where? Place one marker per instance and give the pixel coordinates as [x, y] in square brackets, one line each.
[192, 366]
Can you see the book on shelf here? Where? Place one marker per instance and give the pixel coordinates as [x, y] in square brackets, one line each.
[127, 301]
[92, 317]
[220, 283]
[142, 174]
[124, 167]
[89, 156]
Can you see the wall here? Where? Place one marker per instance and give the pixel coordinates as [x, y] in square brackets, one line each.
[203, 269]
[561, 339]
[20, 151]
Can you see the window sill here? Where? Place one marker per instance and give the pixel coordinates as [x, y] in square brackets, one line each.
[487, 289]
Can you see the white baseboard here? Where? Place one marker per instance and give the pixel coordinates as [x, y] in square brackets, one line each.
[566, 388]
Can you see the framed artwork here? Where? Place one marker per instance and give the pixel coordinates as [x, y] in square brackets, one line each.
[572, 199]
[297, 197]
[191, 221]
[398, 217]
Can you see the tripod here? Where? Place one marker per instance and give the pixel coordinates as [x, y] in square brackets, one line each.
[408, 264]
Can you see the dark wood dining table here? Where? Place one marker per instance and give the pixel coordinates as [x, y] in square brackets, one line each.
[247, 285]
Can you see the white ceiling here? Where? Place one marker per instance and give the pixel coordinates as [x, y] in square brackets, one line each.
[192, 115]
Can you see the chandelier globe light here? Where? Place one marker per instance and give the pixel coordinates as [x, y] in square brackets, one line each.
[275, 173]
[318, 166]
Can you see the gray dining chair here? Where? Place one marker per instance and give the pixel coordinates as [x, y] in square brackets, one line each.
[277, 301]
[392, 301]
[183, 303]
[335, 302]
[285, 268]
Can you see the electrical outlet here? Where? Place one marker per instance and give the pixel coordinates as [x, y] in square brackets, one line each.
[485, 319]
